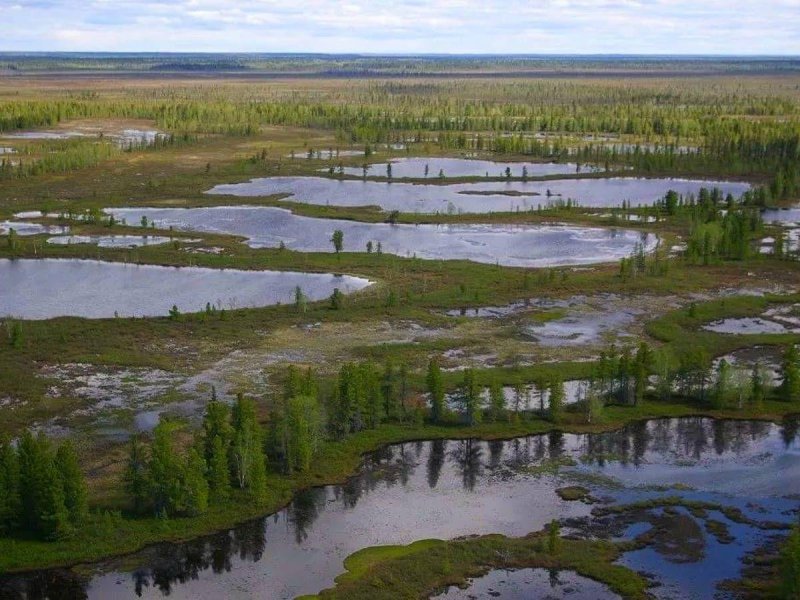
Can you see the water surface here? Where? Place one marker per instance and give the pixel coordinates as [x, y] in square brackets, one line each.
[46, 288]
[444, 489]
[25, 228]
[110, 241]
[509, 245]
[415, 168]
[483, 197]
[530, 584]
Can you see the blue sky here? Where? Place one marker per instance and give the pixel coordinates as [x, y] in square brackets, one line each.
[405, 26]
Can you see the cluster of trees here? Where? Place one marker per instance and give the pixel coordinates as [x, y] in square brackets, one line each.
[686, 125]
[42, 489]
[624, 377]
[228, 453]
[66, 157]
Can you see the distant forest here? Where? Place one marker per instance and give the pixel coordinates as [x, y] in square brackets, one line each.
[411, 65]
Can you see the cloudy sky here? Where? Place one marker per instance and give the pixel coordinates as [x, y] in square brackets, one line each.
[405, 26]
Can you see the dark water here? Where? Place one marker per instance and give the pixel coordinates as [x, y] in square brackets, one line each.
[529, 584]
[444, 489]
[414, 168]
[484, 197]
[46, 288]
[510, 245]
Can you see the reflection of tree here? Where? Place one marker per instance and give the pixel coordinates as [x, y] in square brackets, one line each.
[55, 583]
[495, 453]
[688, 438]
[467, 457]
[307, 505]
[555, 444]
[435, 461]
[789, 430]
[553, 576]
[641, 438]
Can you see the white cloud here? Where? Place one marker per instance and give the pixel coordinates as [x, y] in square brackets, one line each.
[457, 26]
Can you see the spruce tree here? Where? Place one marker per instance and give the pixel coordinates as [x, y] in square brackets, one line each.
[10, 504]
[165, 470]
[137, 484]
[41, 489]
[436, 391]
[497, 401]
[73, 482]
[219, 478]
[556, 408]
[790, 387]
[194, 497]
[469, 397]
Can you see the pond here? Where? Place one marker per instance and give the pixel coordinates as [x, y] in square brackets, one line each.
[449, 488]
[25, 228]
[530, 584]
[124, 138]
[483, 197]
[47, 288]
[510, 245]
[434, 167]
[784, 216]
[110, 241]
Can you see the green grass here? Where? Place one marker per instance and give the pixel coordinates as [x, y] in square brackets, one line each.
[417, 571]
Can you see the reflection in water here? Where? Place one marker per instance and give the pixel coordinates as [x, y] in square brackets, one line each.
[530, 584]
[448, 488]
[44, 288]
[537, 245]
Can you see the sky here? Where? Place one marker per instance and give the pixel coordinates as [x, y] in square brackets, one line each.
[738, 27]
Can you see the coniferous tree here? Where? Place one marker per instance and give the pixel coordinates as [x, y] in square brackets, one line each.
[469, 398]
[790, 387]
[41, 489]
[723, 385]
[73, 482]
[436, 391]
[556, 408]
[219, 475]
[247, 451]
[194, 497]
[165, 470]
[136, 480]
[497, 401]
[10, 502]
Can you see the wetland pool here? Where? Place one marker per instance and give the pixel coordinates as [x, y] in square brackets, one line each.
[47, 288]
[744, 473]
[508, 245]
[483, 197]
[436, 167]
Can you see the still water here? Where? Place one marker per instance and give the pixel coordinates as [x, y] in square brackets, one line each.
[483, 197]
[509, 245]
[46, 288]
[449, 488]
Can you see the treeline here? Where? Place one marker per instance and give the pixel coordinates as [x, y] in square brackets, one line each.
[42, 489]
[167, 480]
[60, 158]
[63, 156]
[625, 377]
[676, 116]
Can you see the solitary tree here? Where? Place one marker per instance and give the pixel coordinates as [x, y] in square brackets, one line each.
[337, 239]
